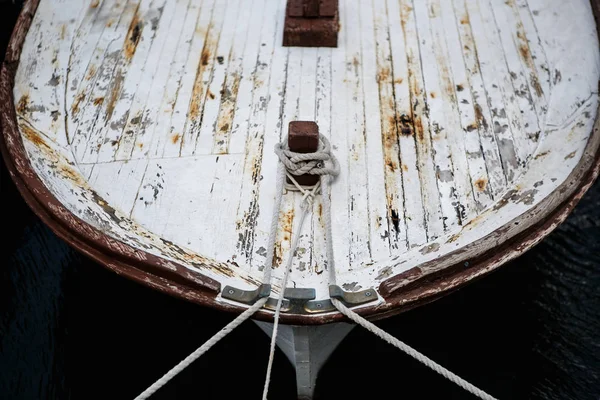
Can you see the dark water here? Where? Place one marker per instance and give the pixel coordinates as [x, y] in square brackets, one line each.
[69, 329]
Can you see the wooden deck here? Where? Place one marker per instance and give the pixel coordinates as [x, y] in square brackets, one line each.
[154, 121]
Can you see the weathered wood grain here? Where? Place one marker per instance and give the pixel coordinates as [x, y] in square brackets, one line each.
[449, 118]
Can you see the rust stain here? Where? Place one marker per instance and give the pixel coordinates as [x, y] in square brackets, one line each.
[465, 20]
[472, 127]
[460, 87]
[211, 95]
[524, 50]
[175, 138]
[479, 117]
[95, 3]
[133, 35]
[570, 155]
[286, 223]
[34, 137]
[540, 155]
[525, 53]
[110, 23]
[205, 56]
[63, 31]
[481, 184]
[404, 167]
[56, 161]
[91, 72]
[453, 238]
[140, 145]
[536, 85]
[419, 129]
[71, 174]
[23, 104]
[226, 112]
[197, 98]
[320, 210]
[78, 99]
[433, 95]
[114, 94]
[398, 81]
[384, 75]
[98, 101]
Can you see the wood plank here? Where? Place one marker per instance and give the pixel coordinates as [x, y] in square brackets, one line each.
[162, 136]
[205, 69]
[216, 87]
[83, 60]
[382, 228]
[396, 224]
[135, 34]
[323, 118]
[478, 98]
[465, 148]
[441, 130]
[419, 119]
[517, 56]
[130, 82]
[155, 106]
[190, 56]
[340, 205]
[254, 141]
[495, 80]
[413, 208]
[136, 115]
[528, 36]
[224, 124]
[125, 175]
[107, 54]
[358, 193]
[275, 130]
[240, 125]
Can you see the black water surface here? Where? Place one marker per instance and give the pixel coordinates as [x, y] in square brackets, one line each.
[69, 329]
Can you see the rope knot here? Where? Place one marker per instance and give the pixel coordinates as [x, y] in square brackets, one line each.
[321, 162]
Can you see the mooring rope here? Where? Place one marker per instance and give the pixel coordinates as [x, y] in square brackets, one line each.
[298, 164]
[359, 320]
[324, 164]
[292, 164]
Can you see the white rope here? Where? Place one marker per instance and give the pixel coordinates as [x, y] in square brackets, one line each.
[326, 189]
[243, 316]
[298, 164]
[410, 351]
[288, 268]
[202, 349]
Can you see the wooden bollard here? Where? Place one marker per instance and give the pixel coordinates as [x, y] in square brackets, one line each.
[311, 23]
[303, 137]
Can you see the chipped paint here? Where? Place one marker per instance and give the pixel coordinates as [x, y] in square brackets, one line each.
[409, 122]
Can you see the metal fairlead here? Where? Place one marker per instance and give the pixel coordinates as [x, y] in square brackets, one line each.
[301, 300]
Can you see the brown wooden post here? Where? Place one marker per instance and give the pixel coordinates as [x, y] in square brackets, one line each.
[303, 137]
[311, 23]
[311, 8]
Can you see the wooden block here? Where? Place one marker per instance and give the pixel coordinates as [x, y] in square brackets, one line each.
[311, 8]
[311, 32]
[295, 8]
[303, 137]
[328, 8]
[311, 23]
